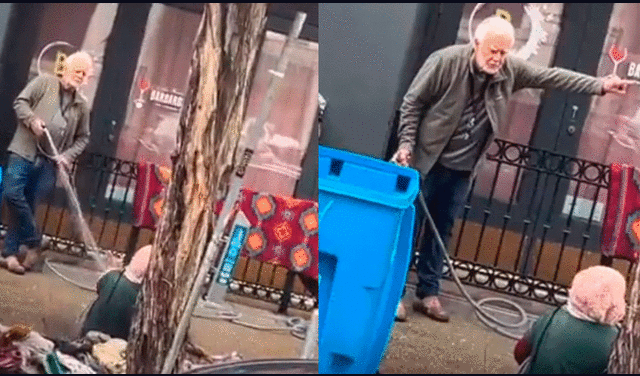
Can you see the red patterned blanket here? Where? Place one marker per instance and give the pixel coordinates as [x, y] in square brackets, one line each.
[621, 228]
[284, 231]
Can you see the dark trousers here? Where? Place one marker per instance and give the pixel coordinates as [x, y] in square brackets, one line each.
[445, 191]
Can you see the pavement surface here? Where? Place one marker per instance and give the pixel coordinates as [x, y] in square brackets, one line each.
[55, 308]
[464, 344]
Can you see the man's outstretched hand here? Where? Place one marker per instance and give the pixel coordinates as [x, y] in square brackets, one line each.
[616, 85]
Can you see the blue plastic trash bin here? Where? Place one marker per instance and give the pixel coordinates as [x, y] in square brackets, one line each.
[366, 232]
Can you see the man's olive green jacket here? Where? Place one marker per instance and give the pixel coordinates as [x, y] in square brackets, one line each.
[41, 98]
[434, 103]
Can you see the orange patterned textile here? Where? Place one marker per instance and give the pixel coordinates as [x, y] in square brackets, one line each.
[284, 230]
[151, 183]
[621, 227]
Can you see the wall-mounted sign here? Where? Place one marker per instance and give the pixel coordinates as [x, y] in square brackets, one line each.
[617, 57]
[59, 65]
[634, 70]
[503, 14]
[170, 100]
[61, 49]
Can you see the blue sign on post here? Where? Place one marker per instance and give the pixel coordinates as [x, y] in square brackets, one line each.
[224, 271]
[229, 262]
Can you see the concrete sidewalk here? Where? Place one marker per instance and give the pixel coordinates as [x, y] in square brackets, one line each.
[463, 345]
[54, 307]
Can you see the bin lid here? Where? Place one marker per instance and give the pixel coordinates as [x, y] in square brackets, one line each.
[366, 178]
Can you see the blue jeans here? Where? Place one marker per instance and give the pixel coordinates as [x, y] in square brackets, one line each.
[25, 183]
[445, 191]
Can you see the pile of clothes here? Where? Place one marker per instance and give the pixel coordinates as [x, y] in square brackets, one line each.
[23, 350]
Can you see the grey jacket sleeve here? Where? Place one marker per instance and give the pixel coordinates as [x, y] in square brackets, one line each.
[423, 89]
[527, 75]
[81, 139]
[29, 98]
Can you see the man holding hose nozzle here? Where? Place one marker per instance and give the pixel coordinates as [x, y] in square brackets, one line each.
[454, 107]
[53, 103]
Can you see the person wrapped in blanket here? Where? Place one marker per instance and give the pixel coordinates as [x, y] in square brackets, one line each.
[113, 310]
[579, 336]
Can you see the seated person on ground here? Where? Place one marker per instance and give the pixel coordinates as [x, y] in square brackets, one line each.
[113, 310]
[579, 336]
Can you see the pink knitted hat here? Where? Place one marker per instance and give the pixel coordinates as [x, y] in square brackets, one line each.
[137, 268]
[598, 292]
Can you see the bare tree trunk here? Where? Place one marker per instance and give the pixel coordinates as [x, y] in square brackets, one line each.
[625, 357]
[226, 52]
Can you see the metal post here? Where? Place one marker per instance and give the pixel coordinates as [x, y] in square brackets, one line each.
[311, 340]
[286, 295]
[606, 260]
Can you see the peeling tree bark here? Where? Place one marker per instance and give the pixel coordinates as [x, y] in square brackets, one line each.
[226, 51]
[625, 357]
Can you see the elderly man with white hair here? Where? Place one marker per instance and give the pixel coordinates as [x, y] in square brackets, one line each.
[53, 103]
[455, 106]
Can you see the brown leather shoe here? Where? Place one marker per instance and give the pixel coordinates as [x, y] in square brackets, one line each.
[13, 265]
[431, 307]
[30, 258]
[401, 312]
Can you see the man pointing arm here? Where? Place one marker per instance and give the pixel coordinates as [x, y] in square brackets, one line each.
[453, 109]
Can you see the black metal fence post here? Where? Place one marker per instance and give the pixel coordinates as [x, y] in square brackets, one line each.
[286, 295]
[606, 260]
[134, 235]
